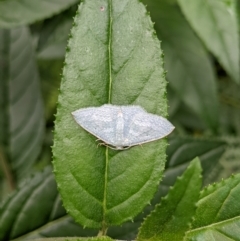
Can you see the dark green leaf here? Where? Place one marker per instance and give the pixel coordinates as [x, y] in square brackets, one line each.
[50, 81]
[64, 226]
[15, 13]
[170, 219]
[216, 24]
[182, 150]
[230, 106]
[61, 227]
[189, 69]
[53, 37]
[218, 212]
[218, 202]
[37, 200]
[21, 118]
[113, 57]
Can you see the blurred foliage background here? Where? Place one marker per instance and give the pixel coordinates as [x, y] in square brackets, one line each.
[201, 48]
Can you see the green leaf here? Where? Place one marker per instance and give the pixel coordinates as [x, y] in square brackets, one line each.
[63, 226]
[221, 200]
[50, 82]
[53, 37]
[231, 157]
[21, 118]
[113, 57]
[230, 106]
[29, 11]
[37, 199]
[182, 150]
[218, 212]
[182, 117]
[216, 24]
[170, 219]
[189, 70]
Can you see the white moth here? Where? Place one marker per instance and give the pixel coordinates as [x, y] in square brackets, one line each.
[121, 127]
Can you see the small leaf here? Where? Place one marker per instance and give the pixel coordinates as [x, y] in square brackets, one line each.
[218, 212]
[216, 24]
[113, 57]
[21, 118]
[171, 218]
[182, 150]
[29, 11]
[221, 199]
[189, 70]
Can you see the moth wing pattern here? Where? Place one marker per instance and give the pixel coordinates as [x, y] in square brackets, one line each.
[144, 127]
[138, 126]
[99, 121]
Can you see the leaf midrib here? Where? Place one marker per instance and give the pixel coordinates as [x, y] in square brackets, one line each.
[109, 101]
[212, 225]
[110, 51]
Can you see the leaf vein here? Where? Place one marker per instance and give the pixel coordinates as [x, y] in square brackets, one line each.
[95, 36]
[219, 210]
[133, 195]
[84, 189]
[125, 63]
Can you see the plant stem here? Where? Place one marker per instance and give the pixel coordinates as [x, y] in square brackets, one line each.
[103, 231]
